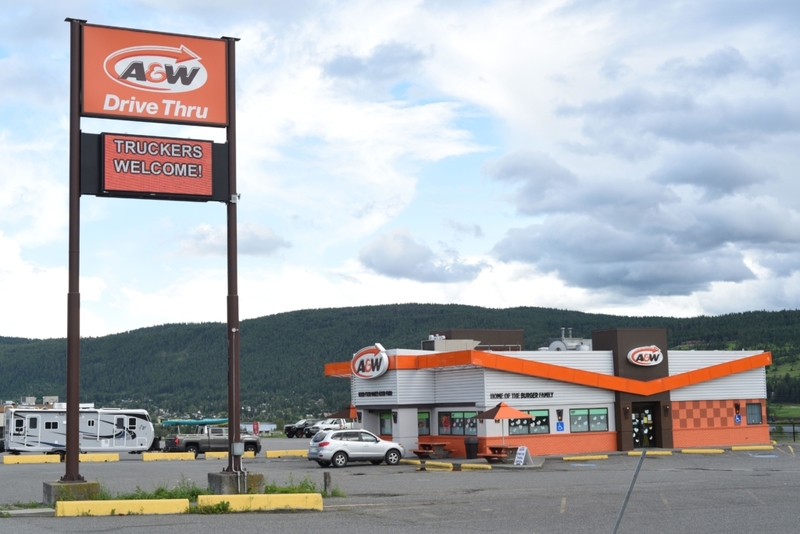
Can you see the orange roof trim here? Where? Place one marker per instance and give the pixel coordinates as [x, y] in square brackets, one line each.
[564, 374]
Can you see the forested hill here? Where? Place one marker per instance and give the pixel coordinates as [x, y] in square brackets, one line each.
[183, 367]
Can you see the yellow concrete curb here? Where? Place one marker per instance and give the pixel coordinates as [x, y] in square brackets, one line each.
[283, 501]
[223, 455]
[437, 466]
[650, 453]
[10, 459]
[445, 466]
[280, 454]
[476, 467]
[166, 456]
[753, 448]
[702, 451]
[101, 457]
[585, 458]
[122, 507]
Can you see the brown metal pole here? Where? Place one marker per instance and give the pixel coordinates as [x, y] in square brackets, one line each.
[234, 400]
[74, 296]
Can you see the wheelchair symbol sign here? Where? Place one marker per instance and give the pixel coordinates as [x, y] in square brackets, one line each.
[560, 426]
[737, 419]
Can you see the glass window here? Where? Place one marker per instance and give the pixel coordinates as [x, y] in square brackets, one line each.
[579, 420]
[424, 423]
[366, 436]
[540, 424]
[518, 426]
[588, 420]
[386, 424]
[51, 425]
[457, 422]
[754, 414]
[120, 423]
[19, 424]
[90, 422]
[131, 423]
[598, 419]
[33, 423]
[470, 424]
[444, 424]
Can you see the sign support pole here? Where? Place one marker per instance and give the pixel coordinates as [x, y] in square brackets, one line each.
[234, 335]
[74, 296]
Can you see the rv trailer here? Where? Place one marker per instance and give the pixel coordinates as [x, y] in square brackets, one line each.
[44, 430]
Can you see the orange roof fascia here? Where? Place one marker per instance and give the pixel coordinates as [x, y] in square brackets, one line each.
[338, 369]
[560, 373]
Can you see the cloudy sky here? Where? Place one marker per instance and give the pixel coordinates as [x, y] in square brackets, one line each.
[633, 158]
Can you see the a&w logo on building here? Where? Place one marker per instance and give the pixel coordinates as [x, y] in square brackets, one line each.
[370, 362]
[160, 69]
[646, 356]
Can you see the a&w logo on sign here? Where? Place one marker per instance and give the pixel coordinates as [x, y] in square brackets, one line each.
[160, 69]
[370, 362]
[646, 356]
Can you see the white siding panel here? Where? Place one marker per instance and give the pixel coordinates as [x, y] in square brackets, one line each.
[683, 361]
[415, 387]
[596, 361]
[459, 385]
[748, 385]
[563, 393]
[385, 382]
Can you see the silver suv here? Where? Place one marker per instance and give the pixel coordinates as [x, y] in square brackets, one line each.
[337, 447]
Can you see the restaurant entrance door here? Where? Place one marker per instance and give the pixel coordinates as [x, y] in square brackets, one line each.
[643, 419]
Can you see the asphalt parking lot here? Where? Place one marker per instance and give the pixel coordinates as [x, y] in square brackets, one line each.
[732, 492]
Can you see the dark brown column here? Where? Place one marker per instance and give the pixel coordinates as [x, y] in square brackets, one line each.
[74, 296]
[621, 341]
[234, 335]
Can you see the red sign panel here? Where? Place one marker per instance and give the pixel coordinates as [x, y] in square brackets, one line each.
[158, 165]
[133, 74]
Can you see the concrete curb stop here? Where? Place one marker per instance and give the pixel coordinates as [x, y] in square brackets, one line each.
[122, 507]
[247, 503]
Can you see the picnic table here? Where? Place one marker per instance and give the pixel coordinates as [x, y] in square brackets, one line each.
[500, 454]
[432, 450]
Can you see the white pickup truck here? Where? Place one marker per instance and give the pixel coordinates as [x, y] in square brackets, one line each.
[332, 424]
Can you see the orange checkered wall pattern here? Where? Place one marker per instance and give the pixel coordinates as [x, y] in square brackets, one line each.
[712, 422]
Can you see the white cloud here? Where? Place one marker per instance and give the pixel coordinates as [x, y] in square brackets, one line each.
[252, 240]
[397, 255]
[35, 297]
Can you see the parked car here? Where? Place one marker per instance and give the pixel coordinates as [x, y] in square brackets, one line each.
[338, 447]
[297, 429]
[329, 424]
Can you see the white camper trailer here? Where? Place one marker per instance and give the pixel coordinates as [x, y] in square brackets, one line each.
[101, 430]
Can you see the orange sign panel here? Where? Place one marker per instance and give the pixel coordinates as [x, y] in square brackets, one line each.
[157, 165]
[133, 74]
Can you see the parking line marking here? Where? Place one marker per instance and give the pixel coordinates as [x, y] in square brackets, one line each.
[563, 504]
[664, 499]
[756, 498]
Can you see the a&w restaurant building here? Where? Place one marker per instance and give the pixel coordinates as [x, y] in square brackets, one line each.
[620, 390]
